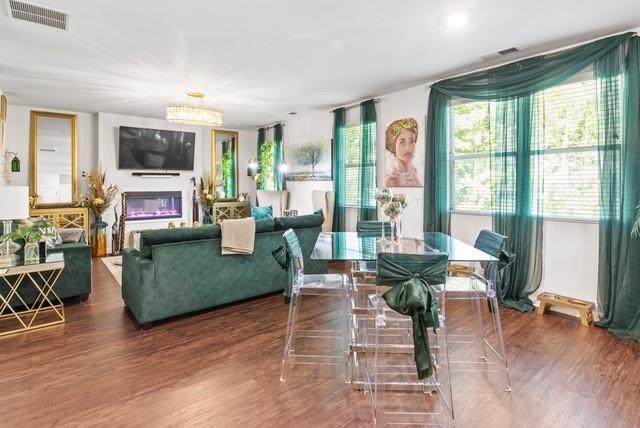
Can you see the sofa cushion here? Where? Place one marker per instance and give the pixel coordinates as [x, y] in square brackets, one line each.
[312, 220]
[264, 226]
[262, 213]
[149, 238]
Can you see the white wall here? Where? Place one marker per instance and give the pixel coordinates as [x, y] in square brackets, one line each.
[570, 248]
[17, 139]
[107, 156]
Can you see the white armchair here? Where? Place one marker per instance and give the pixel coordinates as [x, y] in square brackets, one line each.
[279, 201]
[324, 200]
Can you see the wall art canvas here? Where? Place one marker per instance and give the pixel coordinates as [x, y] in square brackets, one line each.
[309, 161]
[404, 153]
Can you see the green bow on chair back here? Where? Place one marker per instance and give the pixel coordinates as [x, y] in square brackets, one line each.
[413, 277]
[289, 257]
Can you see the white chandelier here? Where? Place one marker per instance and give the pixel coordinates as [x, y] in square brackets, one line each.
[195, 113]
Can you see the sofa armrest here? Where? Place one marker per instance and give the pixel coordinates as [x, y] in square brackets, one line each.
[138, 288]
[76, 278]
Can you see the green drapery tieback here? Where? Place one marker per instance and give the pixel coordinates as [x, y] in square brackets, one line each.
[283, 256]
[412, 295]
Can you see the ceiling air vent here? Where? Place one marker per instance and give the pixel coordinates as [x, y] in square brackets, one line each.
[498, 54]
[508, 51]
[38, 14]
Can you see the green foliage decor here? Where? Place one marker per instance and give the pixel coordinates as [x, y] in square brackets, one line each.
[266, 177]
[40, 229]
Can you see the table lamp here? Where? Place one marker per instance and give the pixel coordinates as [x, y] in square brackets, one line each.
[14, 205]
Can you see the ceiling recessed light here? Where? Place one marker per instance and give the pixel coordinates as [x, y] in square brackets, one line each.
[457, 20]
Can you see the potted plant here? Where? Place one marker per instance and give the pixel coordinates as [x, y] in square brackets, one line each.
[207, 196]
[40, 229]
[99, 198]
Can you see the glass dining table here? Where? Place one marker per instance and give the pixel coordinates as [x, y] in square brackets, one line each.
[358, 248]
[351, 246]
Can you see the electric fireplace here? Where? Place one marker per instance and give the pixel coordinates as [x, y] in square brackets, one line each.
[153, 205]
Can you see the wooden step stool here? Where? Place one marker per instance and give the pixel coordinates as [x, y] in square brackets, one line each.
[583, 307]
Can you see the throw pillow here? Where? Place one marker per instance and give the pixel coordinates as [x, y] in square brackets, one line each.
[262, 213]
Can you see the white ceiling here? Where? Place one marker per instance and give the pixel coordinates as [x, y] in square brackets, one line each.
[258, 60]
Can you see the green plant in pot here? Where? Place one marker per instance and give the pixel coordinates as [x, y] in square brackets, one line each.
[40, 229]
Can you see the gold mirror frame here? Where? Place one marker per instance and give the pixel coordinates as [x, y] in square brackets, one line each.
[33, 159]
[214, 169]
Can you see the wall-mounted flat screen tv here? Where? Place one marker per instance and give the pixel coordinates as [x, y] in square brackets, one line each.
[141, 148]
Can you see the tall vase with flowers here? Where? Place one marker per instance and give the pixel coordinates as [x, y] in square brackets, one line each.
[394, 211]
[383, 197]
[403, 200]
[207, 195]
[98, 198]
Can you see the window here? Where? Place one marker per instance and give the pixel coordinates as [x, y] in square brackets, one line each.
[353, 139]
[566, 128]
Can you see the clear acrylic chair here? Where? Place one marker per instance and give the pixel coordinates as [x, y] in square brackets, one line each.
[484, 349]
[399, 395]
[327, 285]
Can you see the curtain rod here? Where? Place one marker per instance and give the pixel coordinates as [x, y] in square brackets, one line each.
[547, 52]
[270, 126]
[375, 100]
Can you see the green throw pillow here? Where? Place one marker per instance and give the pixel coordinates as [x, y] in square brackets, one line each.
[262, 213]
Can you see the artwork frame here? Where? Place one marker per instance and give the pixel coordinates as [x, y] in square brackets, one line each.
[405, 151]
[310, 160]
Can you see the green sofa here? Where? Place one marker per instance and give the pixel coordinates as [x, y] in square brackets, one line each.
[178, 271]
[75, 280]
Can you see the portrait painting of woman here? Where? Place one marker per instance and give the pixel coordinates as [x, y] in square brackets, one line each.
[400, 143]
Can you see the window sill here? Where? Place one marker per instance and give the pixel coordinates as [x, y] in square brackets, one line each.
[546, 219]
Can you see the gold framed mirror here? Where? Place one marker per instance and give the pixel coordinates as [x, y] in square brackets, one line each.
[224, 163]
[54, 159]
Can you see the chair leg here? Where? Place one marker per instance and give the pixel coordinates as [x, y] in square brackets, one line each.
[347, 337]
[477, 309]
[495, 313]
[294, 301]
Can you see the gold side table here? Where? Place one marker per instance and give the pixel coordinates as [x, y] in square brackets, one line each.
[47, 309]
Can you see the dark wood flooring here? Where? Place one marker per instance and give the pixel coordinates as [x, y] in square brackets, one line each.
[221, 369]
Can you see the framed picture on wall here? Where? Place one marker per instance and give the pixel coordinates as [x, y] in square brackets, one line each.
[404, 152]
[309, 161]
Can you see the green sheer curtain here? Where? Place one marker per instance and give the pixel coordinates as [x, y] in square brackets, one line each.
[368, 209]
[513, 91]
[281, 183]
[437, 217]
[261, 141]
[339, 211]
[617, 77]
[517, 181]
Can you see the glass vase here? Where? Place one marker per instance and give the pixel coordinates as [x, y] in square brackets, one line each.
[31, 253]
[99, 238]
[207, 218]
[396, 233]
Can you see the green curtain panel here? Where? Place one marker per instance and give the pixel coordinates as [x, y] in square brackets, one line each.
[618, 83]
[339, 211]
[437, 207]
[368, 210]
[261, 141]
[281, 183]
[517, 180]
[516, 122]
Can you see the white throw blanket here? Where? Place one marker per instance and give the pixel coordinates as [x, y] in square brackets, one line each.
[238, 236]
